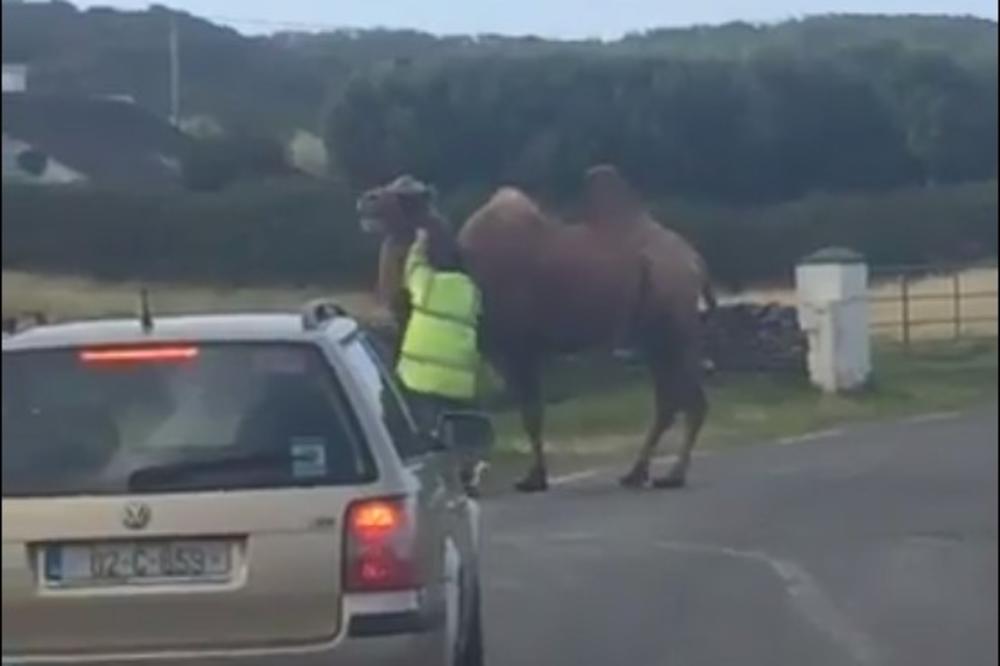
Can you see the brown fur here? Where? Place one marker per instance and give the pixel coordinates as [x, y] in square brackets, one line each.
[552, 287]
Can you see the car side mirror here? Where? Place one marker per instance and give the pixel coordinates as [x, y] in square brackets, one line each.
[466, 431]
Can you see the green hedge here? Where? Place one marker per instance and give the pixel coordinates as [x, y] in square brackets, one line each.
[288, 232]
[952, 224]
[295, 232]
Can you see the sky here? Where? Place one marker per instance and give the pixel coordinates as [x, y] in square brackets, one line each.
[548, 18]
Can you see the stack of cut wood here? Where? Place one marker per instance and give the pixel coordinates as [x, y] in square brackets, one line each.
[748, 337]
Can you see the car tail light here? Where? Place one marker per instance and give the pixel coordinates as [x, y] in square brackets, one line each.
[138, 355]
[380, 546]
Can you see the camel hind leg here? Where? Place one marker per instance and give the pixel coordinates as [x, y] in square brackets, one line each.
[664, 415]
[690, 397]
[675, 362]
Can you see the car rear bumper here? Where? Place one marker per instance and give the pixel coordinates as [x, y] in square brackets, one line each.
[404, 650]
[392, 629]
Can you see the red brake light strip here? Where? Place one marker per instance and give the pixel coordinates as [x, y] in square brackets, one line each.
[138, 354]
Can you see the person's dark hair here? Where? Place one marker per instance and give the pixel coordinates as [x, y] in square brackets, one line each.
[443, 252]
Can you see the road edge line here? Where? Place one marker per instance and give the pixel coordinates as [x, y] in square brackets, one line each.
[932, 417]
[810, 436]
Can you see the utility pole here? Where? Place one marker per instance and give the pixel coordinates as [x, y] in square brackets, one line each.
[175, 82]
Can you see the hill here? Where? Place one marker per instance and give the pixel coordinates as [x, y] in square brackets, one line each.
[285, 81]
[966, 39]
[247, 83]
[123, 145]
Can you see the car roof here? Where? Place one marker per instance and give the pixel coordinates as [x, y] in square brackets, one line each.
[273, 327]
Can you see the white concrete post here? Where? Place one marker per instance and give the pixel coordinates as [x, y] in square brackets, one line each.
[832, 290]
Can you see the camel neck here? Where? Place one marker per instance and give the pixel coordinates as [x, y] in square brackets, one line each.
[392, 255]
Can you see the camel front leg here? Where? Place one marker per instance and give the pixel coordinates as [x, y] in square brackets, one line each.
[524, 378]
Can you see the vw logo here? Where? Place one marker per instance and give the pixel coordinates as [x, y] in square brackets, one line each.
[136, 515]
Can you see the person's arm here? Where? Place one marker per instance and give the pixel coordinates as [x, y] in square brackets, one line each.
[402, 301]
[401, 309]
[483, 369]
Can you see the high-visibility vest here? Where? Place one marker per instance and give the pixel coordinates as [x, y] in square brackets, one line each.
[439, 355]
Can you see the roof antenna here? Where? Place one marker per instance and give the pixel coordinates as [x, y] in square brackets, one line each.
[145, 314]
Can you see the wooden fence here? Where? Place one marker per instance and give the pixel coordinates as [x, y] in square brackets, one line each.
[911, 303]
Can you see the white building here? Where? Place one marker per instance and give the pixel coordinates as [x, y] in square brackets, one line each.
[15, 77]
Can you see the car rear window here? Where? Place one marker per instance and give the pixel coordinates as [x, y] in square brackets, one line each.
[178, 418]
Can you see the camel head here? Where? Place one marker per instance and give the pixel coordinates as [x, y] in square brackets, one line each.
[397, 209]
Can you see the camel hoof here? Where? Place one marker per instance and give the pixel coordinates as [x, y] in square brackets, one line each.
[535, 482]
[634, 479]
[670, 482]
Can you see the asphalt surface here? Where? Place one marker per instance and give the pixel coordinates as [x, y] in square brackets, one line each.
[875, 545]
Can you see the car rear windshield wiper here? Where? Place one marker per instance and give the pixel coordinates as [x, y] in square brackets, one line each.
[157, 476]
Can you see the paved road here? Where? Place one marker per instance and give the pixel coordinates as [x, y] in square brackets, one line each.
[873, 546]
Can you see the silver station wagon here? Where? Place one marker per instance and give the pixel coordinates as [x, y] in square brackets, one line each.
[237, 489]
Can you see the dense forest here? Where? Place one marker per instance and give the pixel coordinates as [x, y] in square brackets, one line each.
[764, 129]
[875, 131]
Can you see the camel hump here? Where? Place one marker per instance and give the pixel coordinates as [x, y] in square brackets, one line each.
[513, 199]
[611, 201]
[508, 208]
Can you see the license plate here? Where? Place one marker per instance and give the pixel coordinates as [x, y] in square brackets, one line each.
[147, 562]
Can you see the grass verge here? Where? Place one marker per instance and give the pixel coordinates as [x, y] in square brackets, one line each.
[592, 426]
[599, 408]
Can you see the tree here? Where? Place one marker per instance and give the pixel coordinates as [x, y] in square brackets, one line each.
[774, 127]
[213, 163]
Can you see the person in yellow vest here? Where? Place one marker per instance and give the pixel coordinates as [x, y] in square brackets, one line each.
[439, 360]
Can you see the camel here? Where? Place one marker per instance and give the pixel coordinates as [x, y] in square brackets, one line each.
[550, 288]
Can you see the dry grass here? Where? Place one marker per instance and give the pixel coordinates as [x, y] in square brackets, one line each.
[931, 300]
[71, 297]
